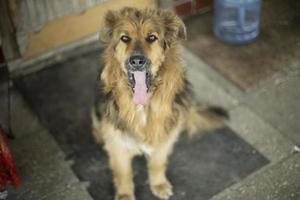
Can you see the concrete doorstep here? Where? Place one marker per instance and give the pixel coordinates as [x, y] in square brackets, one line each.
[279, 181]
[45, 174]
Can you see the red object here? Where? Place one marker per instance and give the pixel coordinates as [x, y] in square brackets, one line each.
[185, 8]
[8, 169]
[202, 4]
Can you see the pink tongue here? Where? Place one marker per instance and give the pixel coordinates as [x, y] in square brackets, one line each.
[140, 95]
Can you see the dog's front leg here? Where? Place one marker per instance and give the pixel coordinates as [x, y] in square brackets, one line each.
[120, 162]
[157, 166]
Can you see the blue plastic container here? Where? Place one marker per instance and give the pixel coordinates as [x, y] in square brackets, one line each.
[236, 21]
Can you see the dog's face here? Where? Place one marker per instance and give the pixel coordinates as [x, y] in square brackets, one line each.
[140, 41]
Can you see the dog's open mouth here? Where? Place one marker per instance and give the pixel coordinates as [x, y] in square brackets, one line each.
[140, 84]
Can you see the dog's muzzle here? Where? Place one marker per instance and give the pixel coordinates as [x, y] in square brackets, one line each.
[139, 77]
[137, 63]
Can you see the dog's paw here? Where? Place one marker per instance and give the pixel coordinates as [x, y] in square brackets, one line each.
[124, 197]
[163, 190]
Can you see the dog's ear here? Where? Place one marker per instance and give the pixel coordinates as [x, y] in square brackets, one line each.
[110, 20]
[174, 27]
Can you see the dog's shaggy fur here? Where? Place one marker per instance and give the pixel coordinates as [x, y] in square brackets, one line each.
[150, 128]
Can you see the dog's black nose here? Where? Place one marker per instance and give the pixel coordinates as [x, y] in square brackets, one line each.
[137, 62]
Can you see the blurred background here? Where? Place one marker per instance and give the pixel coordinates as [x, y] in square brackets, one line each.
[243, 55]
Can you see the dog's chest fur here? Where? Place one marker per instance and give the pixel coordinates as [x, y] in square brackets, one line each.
[141, 115]
[133, 145]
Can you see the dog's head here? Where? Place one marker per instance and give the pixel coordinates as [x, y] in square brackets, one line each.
[140, 40]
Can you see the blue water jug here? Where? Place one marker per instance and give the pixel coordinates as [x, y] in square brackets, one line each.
[236, 21]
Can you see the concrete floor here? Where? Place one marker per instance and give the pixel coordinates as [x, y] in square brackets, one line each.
[44, 172]
[48, 170]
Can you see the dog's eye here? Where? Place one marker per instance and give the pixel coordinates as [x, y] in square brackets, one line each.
[125, 39]
[151, 38]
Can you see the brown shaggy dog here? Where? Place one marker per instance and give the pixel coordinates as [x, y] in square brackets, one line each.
[144, 101]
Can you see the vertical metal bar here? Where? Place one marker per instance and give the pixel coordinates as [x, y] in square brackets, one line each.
[5, 79]
[7, 32]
